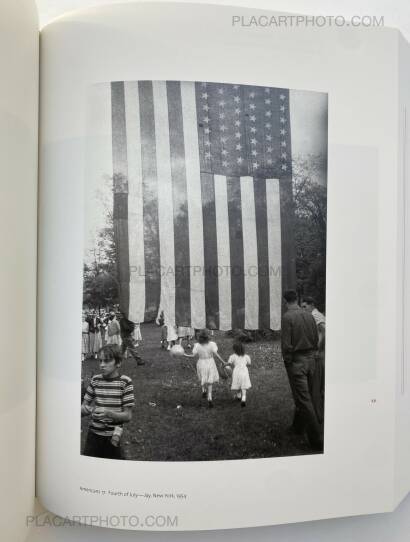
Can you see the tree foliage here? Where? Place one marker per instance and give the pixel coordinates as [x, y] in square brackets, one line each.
[100, 284]
[310, 199]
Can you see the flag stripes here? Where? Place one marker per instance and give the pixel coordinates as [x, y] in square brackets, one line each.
[150, 201]
[223, 264]
[165, 198]
[236, 252]
[250, 252]
[194, 201]
[180, 206]
[211, 245]
[200, 243]
[261, 224]
[274, 250]
[120, 210]
[135, 204]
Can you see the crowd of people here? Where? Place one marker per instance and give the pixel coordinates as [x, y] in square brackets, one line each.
[109, 397]
[100, 329]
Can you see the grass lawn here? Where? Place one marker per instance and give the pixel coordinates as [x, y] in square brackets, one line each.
[159, 431]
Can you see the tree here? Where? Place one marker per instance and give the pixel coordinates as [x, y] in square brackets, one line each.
[100, 287]
[310, 198]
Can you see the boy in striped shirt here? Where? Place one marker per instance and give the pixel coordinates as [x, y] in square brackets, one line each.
[109, 400]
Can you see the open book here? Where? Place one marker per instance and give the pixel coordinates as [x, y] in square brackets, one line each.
[220, 269]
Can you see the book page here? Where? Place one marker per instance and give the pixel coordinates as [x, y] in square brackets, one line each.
[18, 231]
[402, 472]
[206, 194]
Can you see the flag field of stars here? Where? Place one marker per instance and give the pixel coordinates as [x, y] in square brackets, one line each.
[244, 130]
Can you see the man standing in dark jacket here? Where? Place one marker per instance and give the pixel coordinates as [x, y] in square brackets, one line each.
[299, 349]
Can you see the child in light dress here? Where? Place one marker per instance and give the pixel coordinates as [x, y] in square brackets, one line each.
[206, 368]
[85, 350]
[113, 330]
[240, 376]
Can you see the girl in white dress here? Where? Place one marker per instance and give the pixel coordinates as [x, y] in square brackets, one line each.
[206, 367]
[85, 349]
[113, 330]
[240, 376]
[97, 342]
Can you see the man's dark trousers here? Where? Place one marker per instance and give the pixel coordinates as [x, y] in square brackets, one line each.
[128, 343]
[301, 374]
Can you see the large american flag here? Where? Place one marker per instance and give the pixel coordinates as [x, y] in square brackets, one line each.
[202, 202]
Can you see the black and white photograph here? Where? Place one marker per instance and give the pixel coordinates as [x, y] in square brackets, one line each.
[204, 273]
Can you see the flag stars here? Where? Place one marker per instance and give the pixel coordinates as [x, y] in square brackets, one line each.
[203, 85]
[236, 109]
